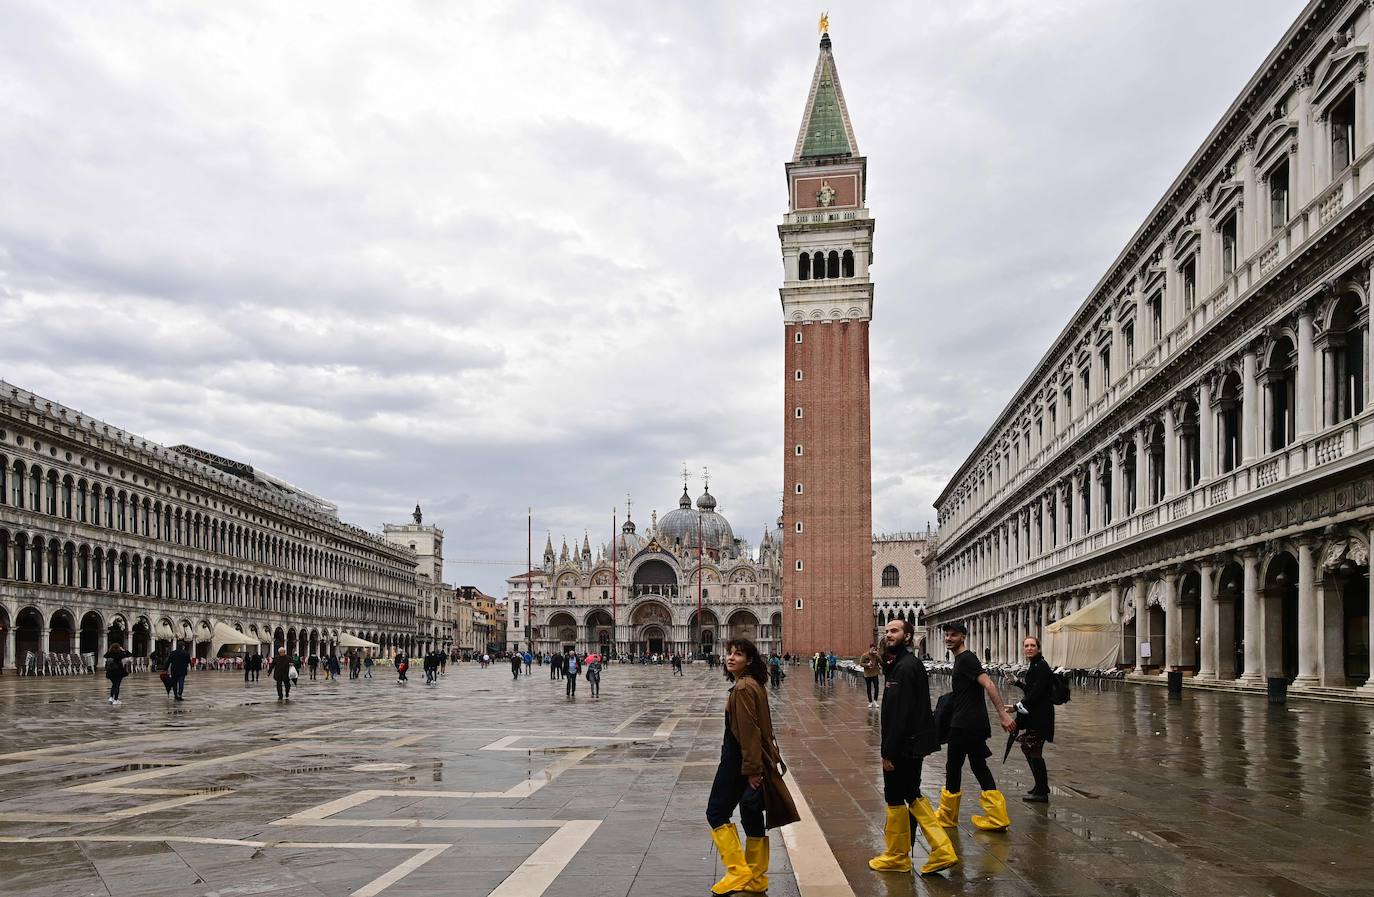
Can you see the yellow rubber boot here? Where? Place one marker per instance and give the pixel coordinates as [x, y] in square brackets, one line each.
[896, 855]
[994, 818]
[948, 814]
[942, 854]
[737, 873]
[756, 857]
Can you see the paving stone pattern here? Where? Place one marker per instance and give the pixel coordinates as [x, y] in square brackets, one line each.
[483, 785]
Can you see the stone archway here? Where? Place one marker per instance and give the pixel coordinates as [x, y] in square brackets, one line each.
[702, 632]
[91, 628]
[562, 631]
[743, 624]
[1279, 617]
[60, 631]
[28, 635]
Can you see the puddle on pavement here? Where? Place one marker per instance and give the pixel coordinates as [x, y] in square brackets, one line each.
[113, 770]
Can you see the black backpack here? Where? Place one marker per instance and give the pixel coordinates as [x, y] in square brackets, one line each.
[1059, 689]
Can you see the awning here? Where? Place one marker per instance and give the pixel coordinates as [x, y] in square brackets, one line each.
[162, 631]
[352, 641]
[228, 635]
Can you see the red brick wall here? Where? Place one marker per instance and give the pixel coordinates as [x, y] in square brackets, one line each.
[836, 506]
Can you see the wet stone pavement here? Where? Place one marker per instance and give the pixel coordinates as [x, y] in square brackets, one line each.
[481, 785]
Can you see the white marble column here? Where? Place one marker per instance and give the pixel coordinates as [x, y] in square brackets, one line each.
[1095, 491]
[1118, 485]
[1305, 389]
[1254, 671]
[1369, 683]
[1173, 622]
[1249, 424]
[1171, 478]
[1308, 627]
[1142, 470]
[1207, 617]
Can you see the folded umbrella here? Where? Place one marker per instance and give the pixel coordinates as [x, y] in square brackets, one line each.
[1011, 739]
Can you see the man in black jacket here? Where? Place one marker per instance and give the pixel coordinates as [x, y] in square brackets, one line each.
[178, 663]
[908, 735]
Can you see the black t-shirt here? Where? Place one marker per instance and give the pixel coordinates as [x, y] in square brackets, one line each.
[970, 712]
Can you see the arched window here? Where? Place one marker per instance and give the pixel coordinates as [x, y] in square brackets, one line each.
[803, 267]
[892, 577]
[52, 493]
[35, 488]
[832, 264]
[67, 497]
[17, 493]
[1229, 422]
[847, 263]
[818, 266]
[1343, 354]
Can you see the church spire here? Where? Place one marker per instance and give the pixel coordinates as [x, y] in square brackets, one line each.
[825, 129]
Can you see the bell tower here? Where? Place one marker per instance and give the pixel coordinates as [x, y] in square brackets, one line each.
[827, 304]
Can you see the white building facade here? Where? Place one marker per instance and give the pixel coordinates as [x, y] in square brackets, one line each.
[108, 537]
[1196, 444]
[434, 616]
[654, 593]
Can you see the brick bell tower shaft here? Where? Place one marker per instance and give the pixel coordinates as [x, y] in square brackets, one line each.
[827, 303]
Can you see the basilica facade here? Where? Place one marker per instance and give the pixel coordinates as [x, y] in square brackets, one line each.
[683, 586]
[1195, 452]
[108, 537]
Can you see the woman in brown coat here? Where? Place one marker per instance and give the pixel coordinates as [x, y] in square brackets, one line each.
[748, 776]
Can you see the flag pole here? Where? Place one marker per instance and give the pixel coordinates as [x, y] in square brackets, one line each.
[529, 580]
[614, 558]
[700, 573]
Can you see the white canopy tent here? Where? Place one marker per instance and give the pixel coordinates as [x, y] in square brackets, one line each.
[228, 635]
[1087, 639]
[163, 631]
[352, 641]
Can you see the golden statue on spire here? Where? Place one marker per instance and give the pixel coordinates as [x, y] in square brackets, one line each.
[824, 26]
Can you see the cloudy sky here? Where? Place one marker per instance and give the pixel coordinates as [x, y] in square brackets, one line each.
[512, 254]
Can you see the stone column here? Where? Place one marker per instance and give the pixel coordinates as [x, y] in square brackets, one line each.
[1171, 478]
[1254, 671]
[1207, 663]
[1142, 470]
[1061, 517]
[1095, 491]
[1308, 626]
[1118, 485]
[1206, 431]
[1173, 622]
[1249, 423]
[1368, 686]
[1142, 621]
[8, 648]
[1049, 534]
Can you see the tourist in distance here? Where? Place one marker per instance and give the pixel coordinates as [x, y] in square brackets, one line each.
[178, 663]
[968, 735]
[908, 736]
[872, 665]
[313, 662]
[281, 674]
[1035, 716]
[555, 666]
[570, 673]
[677, 664]
[594, 674]
[528, 658]
[115, 671]
[775, 672]
[367, 666]
[515, 662]
[748, 776]
[402, 664]
[331, 665]
[831, 663]
[818, 665]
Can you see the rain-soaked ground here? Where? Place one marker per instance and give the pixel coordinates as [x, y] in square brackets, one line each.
[481, 785]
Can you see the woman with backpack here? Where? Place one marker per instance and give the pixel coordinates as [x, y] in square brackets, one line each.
[115, 671]
[1035, 716]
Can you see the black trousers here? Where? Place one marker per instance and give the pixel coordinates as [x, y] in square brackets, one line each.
[572, 683]
[114, 687]
[902, 786]
[974, 750]
[729, 789]
[871, 687]
[284, 688]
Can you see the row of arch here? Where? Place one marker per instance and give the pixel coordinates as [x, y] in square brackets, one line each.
[823, 266]
[650, 627]
[35, 630]
[60, 494]
[32, 558]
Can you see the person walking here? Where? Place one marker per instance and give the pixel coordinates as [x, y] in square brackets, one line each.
[818, 665]
[677, 665]
[748, 776]
[968, 735]
[594, 675]
[1035, 716]
[367, 666]
[775, 671]
[247, 667]
[908, 735]
[831, 663]
[515, 663]
[557, 668]
[402, 664]
[528, 658]
[178, 663]
[281, 671]
[872, 665]
[570, 667]
[331, 664]
[115, 671]
[257, 665]
[313, 662]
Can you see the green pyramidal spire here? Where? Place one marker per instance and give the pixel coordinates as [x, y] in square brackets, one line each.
[826, 130]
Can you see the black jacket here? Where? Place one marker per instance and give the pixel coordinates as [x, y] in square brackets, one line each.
[908, 729]
[178, 662]
[1038, 700]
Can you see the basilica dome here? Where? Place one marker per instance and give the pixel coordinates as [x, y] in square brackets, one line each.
[629, 543]
[678, 528]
